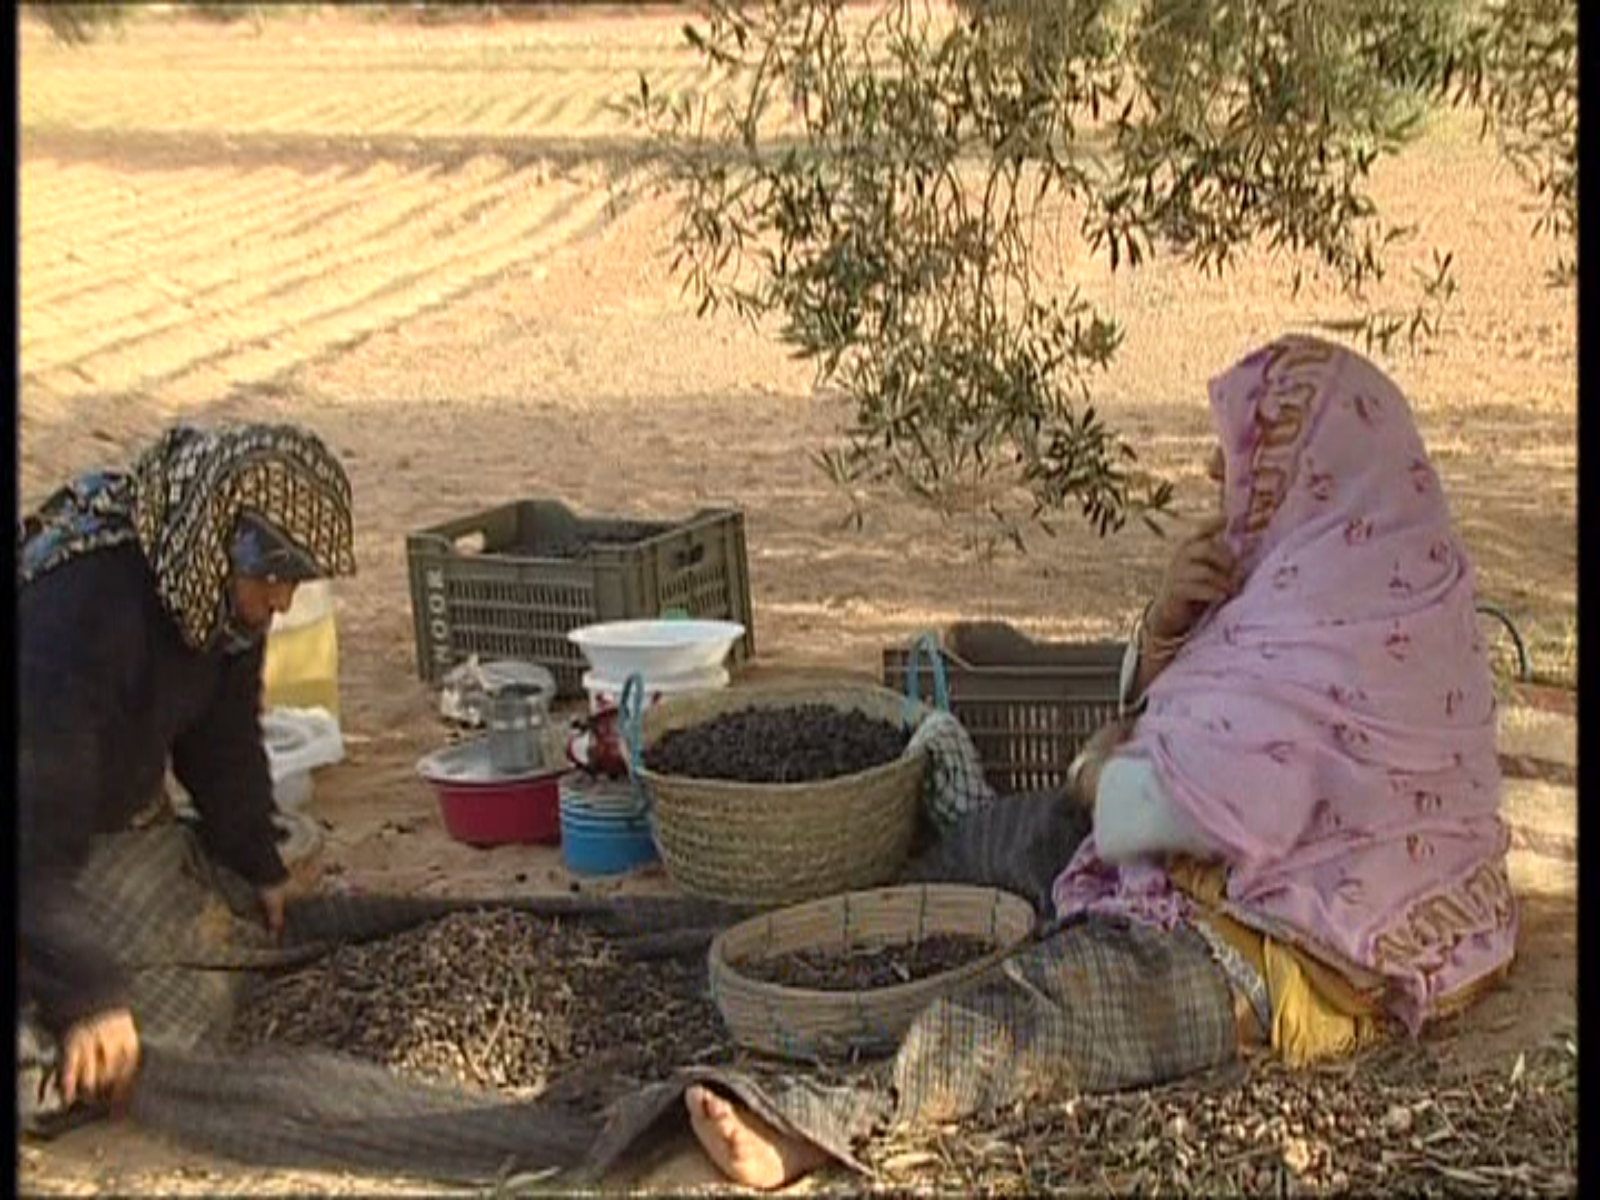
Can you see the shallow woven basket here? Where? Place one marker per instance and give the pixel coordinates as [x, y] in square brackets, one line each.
[799, 1023]
[769, 844]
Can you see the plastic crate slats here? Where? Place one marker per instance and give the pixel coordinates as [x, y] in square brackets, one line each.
[1028, 715]
[504, 584]
[700, 590]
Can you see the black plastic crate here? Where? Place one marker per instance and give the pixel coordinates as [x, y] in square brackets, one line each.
[512, 582]
[1028, 705]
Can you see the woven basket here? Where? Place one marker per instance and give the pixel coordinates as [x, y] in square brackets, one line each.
[770, 844]
[798, 1023]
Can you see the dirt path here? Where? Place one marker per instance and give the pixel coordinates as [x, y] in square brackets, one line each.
[403, 237]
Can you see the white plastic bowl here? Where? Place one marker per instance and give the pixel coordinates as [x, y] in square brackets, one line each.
[658, 650]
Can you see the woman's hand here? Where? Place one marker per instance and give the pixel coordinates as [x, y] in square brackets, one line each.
[271, 899]
[1200, 575]
[1094, 755]
[100, 1057]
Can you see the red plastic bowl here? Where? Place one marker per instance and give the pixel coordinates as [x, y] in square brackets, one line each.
[502, 813]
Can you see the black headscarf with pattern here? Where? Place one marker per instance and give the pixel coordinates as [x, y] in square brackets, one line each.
[264, 500]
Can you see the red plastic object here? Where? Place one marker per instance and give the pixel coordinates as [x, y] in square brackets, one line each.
[503, 813]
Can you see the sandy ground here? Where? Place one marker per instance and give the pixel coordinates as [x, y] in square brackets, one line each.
[404, 237]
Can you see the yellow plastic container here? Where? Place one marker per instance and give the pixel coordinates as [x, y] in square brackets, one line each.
[302, 659]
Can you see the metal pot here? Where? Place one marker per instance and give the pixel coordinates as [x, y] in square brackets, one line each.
[517, 717]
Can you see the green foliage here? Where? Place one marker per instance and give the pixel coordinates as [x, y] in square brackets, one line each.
[890, 238]
[75, 24]
[889, 187]
[223, 12]
[1519, 67]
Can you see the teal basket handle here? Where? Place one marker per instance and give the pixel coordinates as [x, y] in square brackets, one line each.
[630, 712]
[927, 644]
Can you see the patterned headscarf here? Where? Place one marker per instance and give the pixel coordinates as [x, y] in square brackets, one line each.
[1331, 727]
[266, 500]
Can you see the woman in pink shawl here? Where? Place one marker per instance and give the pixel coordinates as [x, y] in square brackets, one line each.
[1317, 711]
[1295, 840]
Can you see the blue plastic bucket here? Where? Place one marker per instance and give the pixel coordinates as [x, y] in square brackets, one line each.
[603, 829]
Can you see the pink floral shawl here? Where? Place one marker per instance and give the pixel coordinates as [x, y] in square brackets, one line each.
[1332, 727]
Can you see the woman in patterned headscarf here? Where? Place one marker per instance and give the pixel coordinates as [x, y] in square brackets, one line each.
[144, 598]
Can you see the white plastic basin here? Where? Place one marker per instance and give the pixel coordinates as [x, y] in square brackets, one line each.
[658, 650]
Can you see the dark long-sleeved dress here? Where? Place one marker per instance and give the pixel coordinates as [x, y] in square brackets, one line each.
[107, 690]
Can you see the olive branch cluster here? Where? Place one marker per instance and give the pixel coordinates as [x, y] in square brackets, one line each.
[891, 185]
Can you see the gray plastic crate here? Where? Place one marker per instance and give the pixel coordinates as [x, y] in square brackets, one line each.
[1028, 705]
[505, 583]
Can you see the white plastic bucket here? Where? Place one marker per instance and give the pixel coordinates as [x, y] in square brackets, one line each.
[298, 741]
[293, 793]
[302, 659]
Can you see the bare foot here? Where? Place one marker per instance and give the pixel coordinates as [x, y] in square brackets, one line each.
[745, 1148]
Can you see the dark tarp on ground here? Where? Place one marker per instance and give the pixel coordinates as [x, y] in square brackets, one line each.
[1097, 1006]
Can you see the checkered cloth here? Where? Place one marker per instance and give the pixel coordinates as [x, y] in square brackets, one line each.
[954, 787]
[193, 949]
[1095, 1006]
[1098, 1006]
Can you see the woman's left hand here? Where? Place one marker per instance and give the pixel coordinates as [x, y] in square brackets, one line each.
[272, 898]
[1095, 752]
